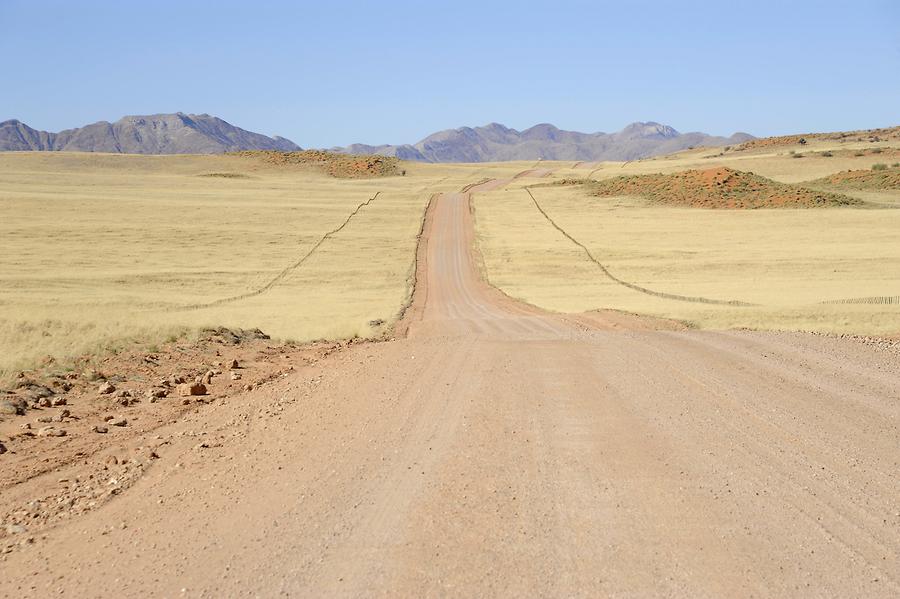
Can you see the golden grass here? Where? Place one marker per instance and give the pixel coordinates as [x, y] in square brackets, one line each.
[97, 250]
[787, 261]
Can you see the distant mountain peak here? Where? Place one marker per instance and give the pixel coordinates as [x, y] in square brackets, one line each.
[170, 133]
[649, 129]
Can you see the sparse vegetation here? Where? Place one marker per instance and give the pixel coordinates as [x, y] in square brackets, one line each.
[718, 187]
[878, 178]
[342, 166]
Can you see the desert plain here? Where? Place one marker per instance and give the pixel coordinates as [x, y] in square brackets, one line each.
[468, 379]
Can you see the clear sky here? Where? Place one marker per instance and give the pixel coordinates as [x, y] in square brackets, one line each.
[331, 73]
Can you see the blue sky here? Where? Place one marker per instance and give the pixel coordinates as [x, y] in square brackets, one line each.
[328, 74]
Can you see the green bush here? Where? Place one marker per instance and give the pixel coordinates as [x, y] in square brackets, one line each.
[879, 167]
[827, 154]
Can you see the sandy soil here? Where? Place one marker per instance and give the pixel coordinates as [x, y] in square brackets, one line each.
[496, 450]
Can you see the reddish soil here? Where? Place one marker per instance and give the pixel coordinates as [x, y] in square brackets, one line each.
[871, 135]
[144, 395]
[718, 187]
[867, 179]
[343, 166]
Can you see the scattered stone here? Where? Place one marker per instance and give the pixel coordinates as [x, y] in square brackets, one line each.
[208, 377]
[9, 408]
[235, 376]
[16, 529]
[117, 421]
[248, 387]
[93, 375]
[51, 431]
[58, 401]
[100, 429]
[38, 392]
[108, 417]
[124, 393]
[45, 402]
[2, 448]
[157, 393]
[112, 461]
[44, 419]
[187, 389]
[106, 388]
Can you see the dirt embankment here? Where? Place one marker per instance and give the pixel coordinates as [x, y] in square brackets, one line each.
[54, 417]
[342, 166]
[719, 187]
[866, 179]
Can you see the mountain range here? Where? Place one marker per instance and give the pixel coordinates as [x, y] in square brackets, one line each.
[495, 142]
[177, 133]
[181, 133]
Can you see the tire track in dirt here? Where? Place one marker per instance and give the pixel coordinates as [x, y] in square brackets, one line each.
[632, 286]
[880, 299]
[285, 271]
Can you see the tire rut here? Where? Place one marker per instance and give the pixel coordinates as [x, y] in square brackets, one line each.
[632, 286]
[285, 271]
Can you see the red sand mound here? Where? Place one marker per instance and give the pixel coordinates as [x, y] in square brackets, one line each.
[345, 166]
[863, 179]
[718, 187]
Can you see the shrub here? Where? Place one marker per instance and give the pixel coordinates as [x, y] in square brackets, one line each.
[879, 167]
[827, 154]
[876, 150]
[796, 155]
[896, 164]
[859, 154]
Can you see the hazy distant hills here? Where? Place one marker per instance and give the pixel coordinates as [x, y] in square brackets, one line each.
[177, 133]
[495, 142]
[181, 133]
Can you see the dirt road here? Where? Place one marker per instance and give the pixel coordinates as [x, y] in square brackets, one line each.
[495, 450]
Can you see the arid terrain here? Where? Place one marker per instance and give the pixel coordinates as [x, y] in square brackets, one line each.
[232, 376]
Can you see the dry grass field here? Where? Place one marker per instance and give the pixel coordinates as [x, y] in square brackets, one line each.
[97, 251]
[795, 266]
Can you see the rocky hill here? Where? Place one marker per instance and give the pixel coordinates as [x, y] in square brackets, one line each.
[177, 133]
[496, 142]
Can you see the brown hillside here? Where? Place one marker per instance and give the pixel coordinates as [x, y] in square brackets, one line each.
[343, 166]
[718, 187]
[871, 135]
[863, 179]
